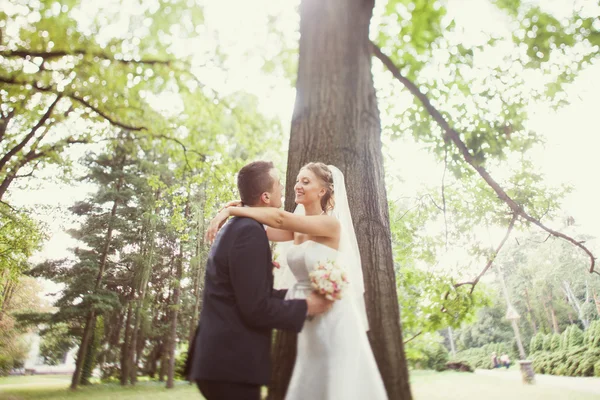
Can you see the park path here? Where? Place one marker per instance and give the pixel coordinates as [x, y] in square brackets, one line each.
[584, 385]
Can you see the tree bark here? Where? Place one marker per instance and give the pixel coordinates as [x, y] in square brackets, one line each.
[126, 348]
[175, 308]
[554, 319]
[530, 312]
[336, 121]
[199, 271]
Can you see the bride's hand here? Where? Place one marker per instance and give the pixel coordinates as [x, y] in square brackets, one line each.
[216, 224]
[234, 203]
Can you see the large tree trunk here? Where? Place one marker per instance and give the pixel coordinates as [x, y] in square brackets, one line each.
[336, 121]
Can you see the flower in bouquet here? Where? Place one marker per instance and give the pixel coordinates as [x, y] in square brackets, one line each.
[329, 279]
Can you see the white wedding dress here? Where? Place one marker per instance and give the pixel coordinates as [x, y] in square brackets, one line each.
[334, 359]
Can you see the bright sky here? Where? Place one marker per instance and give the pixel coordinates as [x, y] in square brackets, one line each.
[571, 133]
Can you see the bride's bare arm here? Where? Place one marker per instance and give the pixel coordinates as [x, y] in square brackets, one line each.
[316, 225]
[273, 234]
[279, 235]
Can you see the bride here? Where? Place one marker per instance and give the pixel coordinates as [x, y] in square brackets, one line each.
[334, 359]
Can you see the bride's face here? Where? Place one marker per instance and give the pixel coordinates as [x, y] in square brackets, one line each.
[308, 188]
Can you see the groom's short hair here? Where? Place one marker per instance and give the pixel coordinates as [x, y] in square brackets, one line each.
[253, 180]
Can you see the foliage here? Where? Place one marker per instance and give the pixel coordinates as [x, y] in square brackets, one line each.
[573, 336]
[592, 335]
[13, 347]
[481, 357]
[490, 326]
[20, 237]
[429, 301]
[427, 351]
[577, 355]
[555, 342]
[56, 342]
[537, 343]
[180, 360]
[578, 361]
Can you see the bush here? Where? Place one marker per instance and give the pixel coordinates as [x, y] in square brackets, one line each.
[555, 342]
[13, 353]
[537, 343]
[438, 359]
[481, 357]
[575, 337]
[579, 361]
[592, 335]
[427, 352]
[547, 344]
[180, 360]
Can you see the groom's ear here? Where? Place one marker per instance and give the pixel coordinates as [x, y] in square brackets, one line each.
[265, 198]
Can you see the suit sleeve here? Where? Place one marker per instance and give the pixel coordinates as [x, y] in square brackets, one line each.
[249, 266]
[279, 294]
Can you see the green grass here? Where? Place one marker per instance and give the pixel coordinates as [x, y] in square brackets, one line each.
[20, 380]
[142, 391]
[431, 385]
[426, 385]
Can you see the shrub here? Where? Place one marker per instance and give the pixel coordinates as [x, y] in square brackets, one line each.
[481, 357]
[555, 342]
[427, 352]
[537, 343]
[180, 360]
[575, 337]
[592, 335]
[547, 344]
[597, 368]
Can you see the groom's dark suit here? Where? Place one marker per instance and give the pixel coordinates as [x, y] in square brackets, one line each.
[232, 346]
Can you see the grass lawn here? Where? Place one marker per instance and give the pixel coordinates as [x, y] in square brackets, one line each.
[426, 385]
[21, 380]
[142, 391]
[431, 385]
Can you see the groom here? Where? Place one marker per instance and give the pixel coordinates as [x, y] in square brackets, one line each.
[229, 357]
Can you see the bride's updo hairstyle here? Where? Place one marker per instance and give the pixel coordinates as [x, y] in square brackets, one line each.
[323, 173]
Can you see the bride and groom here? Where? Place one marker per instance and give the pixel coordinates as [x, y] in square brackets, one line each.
[229, 357]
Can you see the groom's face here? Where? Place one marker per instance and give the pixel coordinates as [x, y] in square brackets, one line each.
[275, 194]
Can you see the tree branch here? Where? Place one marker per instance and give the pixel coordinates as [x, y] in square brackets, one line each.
[490, 262]
[413, 337]
[184, 147]
[454, 136]
[444, 191]
[72, 96]
[30, 173]
[48, 55]
[4, 160]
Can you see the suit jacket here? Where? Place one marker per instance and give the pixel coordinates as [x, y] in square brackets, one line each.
[240, 309]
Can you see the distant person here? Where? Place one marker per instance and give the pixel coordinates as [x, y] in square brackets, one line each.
[495, 362]
[505, 360]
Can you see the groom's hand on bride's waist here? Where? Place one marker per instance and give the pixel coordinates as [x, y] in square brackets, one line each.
[317, 304]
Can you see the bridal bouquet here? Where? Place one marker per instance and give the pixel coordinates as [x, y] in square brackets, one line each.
[329, 279]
